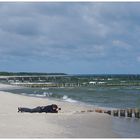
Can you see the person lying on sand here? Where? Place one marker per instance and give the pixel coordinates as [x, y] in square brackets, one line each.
[47, 109]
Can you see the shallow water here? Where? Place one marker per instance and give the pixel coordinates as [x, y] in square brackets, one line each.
[126, 127]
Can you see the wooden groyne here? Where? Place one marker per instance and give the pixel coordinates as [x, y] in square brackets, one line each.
[127, 113]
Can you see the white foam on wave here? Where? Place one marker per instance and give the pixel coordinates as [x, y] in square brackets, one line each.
[109, 79]
[45, 88]
[47, 94]
[66, 98]
[38, 95]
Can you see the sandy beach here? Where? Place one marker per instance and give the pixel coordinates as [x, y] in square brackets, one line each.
[68, 123]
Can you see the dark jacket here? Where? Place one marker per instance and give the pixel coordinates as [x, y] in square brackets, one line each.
[50, 109]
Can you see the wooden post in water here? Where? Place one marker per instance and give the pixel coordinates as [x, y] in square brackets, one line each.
[137, 113]
[99, 110]
[115, 113]
[90, 110]
[122, 113]
[107, 112]
[129, 113]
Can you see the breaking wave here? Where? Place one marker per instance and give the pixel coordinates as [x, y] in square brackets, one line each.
[50, 94]
[66, 98]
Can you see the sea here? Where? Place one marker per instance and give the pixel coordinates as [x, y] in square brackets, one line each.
[110, 91]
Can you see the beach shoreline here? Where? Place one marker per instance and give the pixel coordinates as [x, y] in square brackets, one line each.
[68, 123]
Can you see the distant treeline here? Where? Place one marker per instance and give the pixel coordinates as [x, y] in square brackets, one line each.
[27, 73]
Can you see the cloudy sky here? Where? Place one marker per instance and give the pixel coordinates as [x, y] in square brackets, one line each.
[73, 38]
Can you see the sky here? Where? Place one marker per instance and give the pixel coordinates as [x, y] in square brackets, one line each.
[70, 37]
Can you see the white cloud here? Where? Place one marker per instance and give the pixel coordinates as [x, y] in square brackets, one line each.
[121, 44]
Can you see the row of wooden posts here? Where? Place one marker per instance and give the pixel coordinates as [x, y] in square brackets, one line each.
[125, 113]
[131, 113]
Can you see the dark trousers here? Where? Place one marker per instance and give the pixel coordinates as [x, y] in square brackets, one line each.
[33, 110]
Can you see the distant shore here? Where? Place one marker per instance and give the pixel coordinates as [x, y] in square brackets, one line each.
[68, 123]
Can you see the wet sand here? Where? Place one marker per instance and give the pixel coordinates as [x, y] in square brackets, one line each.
[68, 123]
